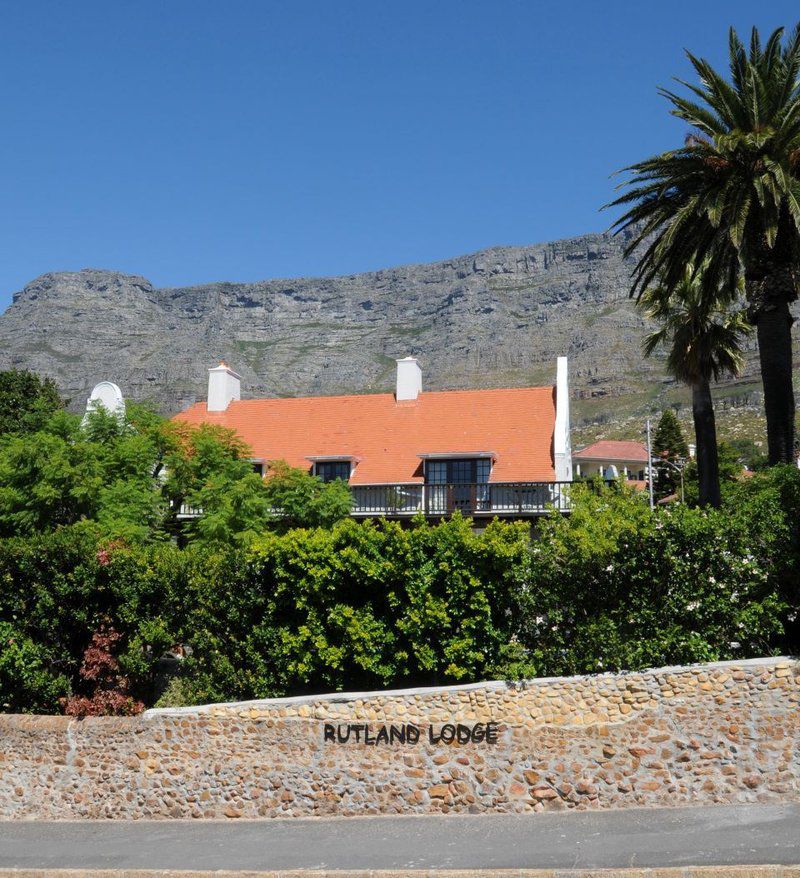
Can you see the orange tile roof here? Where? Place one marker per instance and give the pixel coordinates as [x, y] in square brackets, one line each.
[387, 437]
[607, 449]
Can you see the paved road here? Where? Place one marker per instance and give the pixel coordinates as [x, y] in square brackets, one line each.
[720, 835]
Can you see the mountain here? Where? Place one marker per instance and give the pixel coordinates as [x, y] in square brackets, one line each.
[499, 317]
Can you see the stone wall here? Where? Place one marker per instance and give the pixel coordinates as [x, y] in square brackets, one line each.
[717, 733]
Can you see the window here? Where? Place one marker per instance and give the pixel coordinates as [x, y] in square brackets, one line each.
[258, 468]
[459, 471]
[330, 470]
[461, 483]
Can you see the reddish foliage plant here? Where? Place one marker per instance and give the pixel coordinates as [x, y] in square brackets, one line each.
[103, 556]
[100, 675]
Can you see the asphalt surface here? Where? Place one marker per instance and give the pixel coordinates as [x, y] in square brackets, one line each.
[720, 835]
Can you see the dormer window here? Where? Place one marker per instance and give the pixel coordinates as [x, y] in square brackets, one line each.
[458, 471]
[330, 470]
[474, 469]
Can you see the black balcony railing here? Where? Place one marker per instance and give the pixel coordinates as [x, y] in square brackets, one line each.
[485, 498]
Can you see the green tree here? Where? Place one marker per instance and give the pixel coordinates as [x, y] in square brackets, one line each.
[196, 455]
[703, 338]
[233, 510]
[208, 470]
[302, 500]
[26, 401]
[49, 478]
[748, 454]
[103, 469]
[131, 503]
[669, 446]
[134, 475]
[729, 201]
[730, 463]
[130, 475]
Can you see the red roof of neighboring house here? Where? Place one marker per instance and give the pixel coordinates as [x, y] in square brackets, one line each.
[387, 437]
[610, 449]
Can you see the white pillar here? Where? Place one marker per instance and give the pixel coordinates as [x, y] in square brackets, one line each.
[562, 444]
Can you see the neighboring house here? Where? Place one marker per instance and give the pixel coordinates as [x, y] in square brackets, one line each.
[482, 452]
[611, 459]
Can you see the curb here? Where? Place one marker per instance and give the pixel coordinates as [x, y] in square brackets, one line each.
[656, 872]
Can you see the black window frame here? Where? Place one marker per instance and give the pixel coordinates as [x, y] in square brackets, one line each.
[458, 471]
[331, 470]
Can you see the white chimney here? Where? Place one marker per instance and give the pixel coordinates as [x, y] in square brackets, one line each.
[562, 444]
[224, 386]
[409, 379]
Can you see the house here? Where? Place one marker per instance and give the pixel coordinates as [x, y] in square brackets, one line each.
[611, 459]
[482, 452]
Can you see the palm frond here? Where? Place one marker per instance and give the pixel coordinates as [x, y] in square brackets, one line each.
[733, 189]
[701, 326]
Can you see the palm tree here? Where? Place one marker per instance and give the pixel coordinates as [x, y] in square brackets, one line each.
[703, 337]
[729, 199]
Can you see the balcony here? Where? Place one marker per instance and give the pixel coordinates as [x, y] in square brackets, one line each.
[473, 500]
[480, 499]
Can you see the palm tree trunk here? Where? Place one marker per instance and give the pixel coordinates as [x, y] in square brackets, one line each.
[775, 352]
[770, 285]
[705, 430]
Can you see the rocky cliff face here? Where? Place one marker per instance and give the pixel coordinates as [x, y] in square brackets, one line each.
[499, 317]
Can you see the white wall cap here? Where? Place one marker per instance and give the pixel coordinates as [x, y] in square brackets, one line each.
[501, 685]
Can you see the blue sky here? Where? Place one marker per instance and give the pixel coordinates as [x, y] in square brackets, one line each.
[192, 141]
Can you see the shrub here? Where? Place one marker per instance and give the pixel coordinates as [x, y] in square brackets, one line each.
[365, 605]
[57, 589]
[28, 683]
[106, 689]
[617, 586]
[361, 605]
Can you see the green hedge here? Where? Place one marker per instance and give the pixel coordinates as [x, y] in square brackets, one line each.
[369, 605]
